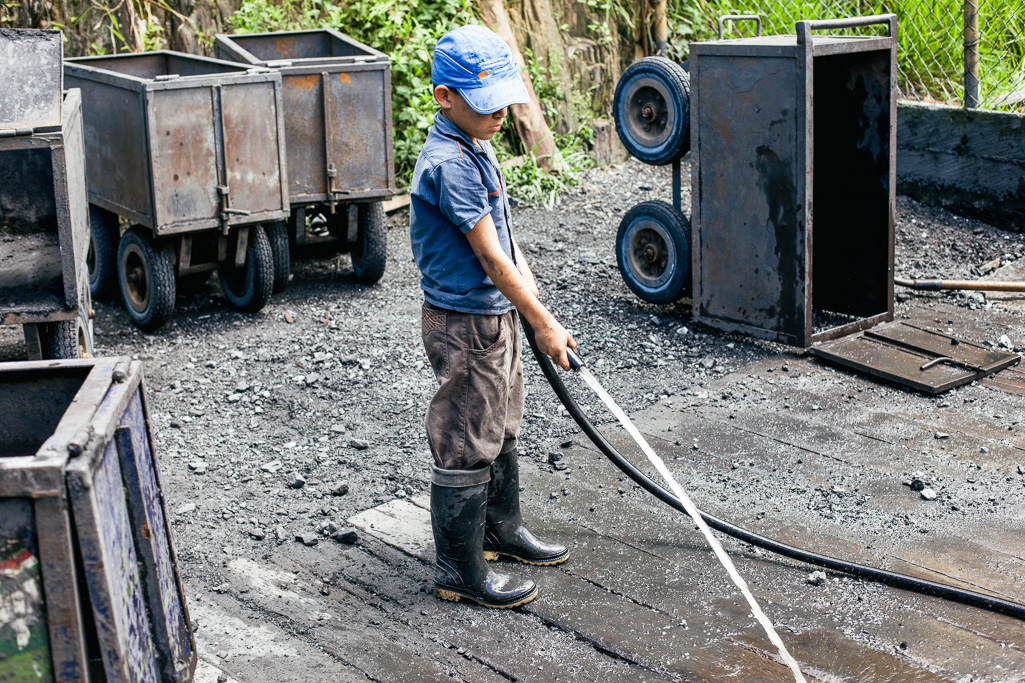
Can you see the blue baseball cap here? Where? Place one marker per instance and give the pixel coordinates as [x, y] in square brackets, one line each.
[479, 65]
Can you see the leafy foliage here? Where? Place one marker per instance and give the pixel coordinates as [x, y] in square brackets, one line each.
[406, 30]
[931, 42]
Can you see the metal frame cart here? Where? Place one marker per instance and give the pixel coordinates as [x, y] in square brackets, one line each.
[338, 123]
[44, 234]
[788, 133]
[190, 151]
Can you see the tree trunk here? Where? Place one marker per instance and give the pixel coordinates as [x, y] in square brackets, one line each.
[660, 28]
[528, 120]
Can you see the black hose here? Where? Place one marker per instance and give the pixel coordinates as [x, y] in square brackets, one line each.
[889, 578]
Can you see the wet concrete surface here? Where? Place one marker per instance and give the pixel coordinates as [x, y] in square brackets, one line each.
[330, 382]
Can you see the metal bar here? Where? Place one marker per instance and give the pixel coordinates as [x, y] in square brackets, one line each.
[677, 186]
[977, 285]
[737, 18]
[328, 128]
[241, 246]
[33, 341]
[804, 28]
[60, 581]
[971, 54]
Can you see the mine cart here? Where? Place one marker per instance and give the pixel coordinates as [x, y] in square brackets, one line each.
[88, 576]
[44, 230]
[790, 133]
[338, 124]
[190, 153]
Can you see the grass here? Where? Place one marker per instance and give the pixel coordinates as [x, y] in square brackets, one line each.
[930, 57]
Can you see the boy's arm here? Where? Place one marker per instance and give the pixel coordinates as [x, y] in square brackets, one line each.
[520, 288]
[521, 261]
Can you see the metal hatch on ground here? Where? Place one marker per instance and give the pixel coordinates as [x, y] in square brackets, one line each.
[930, 362]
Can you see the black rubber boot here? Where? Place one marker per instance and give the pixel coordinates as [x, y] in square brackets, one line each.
[458, 502]
[504, 533]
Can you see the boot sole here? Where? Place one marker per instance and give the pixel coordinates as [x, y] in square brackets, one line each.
[492, 556]
[453, 596]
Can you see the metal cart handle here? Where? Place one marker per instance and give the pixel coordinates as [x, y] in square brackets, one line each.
[740, 17]
[804, 28]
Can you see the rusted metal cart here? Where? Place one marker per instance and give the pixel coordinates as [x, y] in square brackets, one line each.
[190, 152]
[83, 515]
[338, 124]
[790, 134]
[795, 136]
[44, 230]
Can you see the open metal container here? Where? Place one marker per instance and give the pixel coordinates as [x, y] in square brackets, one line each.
[44, 228]
[795, 136]
[190, 151]
[338, 125]
[88, 575]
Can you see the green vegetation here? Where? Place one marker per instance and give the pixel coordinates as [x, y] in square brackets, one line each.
[407, 31]
[930, 58]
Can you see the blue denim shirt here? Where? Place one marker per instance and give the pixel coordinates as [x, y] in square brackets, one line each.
[456, 182]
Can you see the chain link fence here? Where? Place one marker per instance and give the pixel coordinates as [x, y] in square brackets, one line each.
[951, 51]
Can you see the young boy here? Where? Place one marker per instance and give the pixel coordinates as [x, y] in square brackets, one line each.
[474, 281]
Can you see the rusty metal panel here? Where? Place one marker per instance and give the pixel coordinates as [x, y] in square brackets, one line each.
[337, 111]
[117, 152]
[32, 78]
[914, 357]
[184, 155]
[749, 241]
[304, 129]
[254, 173]
[359, 132]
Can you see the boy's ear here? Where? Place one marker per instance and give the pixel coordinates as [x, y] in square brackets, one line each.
[443, 95]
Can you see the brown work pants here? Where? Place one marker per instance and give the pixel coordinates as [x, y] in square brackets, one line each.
[477, 410]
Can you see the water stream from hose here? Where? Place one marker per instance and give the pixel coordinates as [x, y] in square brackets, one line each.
[695, 515]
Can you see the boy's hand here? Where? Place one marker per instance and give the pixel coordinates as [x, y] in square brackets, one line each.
[552, 338]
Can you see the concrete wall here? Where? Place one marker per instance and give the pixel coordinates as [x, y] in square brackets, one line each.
[969, 161]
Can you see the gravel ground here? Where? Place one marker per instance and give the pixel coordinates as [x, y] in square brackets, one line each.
[274, 424]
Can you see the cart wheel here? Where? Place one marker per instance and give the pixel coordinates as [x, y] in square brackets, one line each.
[652, 110]
[370, 250]
[248, 288]
[102, 255]
[277, 235]
[146, 275]
[67, 339]
[653, 252]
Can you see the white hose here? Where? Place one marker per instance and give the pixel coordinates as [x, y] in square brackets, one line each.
[695, 515]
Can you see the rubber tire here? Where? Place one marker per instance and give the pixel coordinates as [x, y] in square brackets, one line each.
[67, 339]
[281, 253]
[161, 286]
[258, 274]
[676, 226]
[370, 251]
[103, 243]
[674, 84]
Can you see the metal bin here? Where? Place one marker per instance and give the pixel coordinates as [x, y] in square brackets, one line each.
[191, 152]
[338, 124]
[88, 576]
[44, 229]
[794, 136]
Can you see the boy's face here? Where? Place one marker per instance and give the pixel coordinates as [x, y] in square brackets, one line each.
[477, 126]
